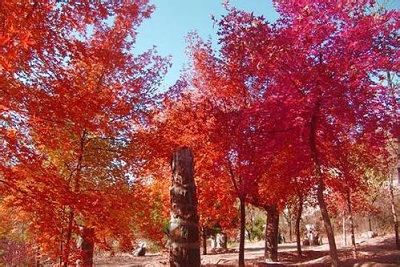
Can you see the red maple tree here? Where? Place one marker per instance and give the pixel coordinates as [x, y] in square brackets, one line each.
[312, 75]
[73, 96]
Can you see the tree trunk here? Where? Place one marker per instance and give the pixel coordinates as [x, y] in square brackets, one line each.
[204, 239]
[67, 247]
[369, 223]
[75, 188]
[352, 235]
[37, 263]
[344, 228]
[271, 233]
[60, 256]
[394, 212]
[392, 200]
[298, 219]
[242, 230]
[321, 186]
[328, 225]
[289, 221]
[291, 227]
[87, 246]
[184, 229]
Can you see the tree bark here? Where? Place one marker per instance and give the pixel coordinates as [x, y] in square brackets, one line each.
[344, 228]
[392, 200]
[271, 233]
[369, 223]
[67, 247]
[394, 212]
[242, 230]
[321, 187]
[328, 225]
[75, 188]
[37, 258]
[352, 235]
[204, 239]
[289, 220]
[87, 246]
[184, 229]
[290, 226]
[242, 202]
[297, 229]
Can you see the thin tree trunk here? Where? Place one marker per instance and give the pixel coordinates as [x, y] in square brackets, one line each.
[392, 200]
[353, 237]
[184, 228]
[271, 233]
[60, 256]
[75, 188]
[369, 223]
[204, 237]
[394, 212]
[242, 202]
[67, 248]
[344, 228]
[321, 187]
[297, 227]
[289, 221]
[328, 225]
[242, 230]
[37, 263]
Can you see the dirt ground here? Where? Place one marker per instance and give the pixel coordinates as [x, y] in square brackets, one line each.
[370, 252]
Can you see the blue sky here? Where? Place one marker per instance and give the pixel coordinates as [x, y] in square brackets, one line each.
[174, 19]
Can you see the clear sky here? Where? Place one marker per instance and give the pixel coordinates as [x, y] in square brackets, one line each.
[174, 19]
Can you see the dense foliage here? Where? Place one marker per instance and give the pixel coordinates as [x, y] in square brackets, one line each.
[302, 106]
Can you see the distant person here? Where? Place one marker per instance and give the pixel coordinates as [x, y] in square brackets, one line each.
[281, 238]
[140, 251]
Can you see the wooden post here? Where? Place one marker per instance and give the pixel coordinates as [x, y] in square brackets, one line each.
[87, 246]
[184, 229]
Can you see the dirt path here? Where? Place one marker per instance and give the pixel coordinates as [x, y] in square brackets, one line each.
[376, 250]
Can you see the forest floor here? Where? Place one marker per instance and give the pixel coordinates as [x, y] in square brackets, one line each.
[380, 249]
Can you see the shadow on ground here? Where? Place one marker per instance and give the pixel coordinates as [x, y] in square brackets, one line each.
[379, 250]
[383, 252]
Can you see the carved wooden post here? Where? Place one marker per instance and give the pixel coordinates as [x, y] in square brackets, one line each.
[87, 245]
[184, 229]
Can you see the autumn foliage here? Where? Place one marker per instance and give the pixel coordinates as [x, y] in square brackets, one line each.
[73, 97]
[299, 96]
[276, 110]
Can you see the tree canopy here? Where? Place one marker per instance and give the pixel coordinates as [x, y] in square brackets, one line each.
[278, 109]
